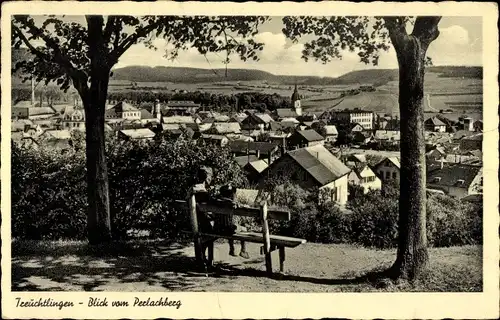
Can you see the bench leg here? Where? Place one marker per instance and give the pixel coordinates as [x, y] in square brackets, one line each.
[282, 258]
[269, 264]
[210, 254]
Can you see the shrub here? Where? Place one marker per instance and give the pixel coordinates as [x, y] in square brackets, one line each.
[49, 188]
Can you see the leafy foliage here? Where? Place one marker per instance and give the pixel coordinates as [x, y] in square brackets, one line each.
[145, 180]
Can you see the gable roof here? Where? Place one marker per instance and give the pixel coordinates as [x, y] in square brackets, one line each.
[323, 166]
[331, 130]
[243, 160]
[38, 111]
[258, 165]
[451, 174]
[392, 160]
[264, 117]
[145, 114]
[434, 121]
[310, 135]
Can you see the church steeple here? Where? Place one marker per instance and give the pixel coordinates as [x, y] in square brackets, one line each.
[296, 101]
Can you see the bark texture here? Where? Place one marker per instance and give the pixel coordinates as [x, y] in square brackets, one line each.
[412, 255]
[94, 100]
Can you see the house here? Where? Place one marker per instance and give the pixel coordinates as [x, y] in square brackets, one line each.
[253, 169]
[124, 110]
[435, 125]
[363, 176]
[331, 133]
[350, 116]
[310, 167]
[283, 126]
[136, 134]
[455, 179]
[474, 142]
[256, 121]
[148, 117]
[435, 154]
[388, 170]
[387, 135]
[73, 119]
[304, 138]
[362, 137]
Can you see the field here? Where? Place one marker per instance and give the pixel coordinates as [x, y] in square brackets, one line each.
[459, 94]
[159, 266]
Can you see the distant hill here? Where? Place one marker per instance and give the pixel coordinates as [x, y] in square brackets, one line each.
[376, 77]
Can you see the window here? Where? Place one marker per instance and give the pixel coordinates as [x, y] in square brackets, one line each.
[334, 194]
[388, 175]
[394, 175]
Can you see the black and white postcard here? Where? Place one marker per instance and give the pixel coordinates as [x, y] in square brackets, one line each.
[249, 160]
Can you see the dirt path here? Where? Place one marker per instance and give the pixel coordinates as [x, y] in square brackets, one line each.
[308, 268]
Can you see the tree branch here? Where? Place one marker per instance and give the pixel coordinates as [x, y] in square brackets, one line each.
[33, 50]
[426, 29]
[397, 31]
[132, 39]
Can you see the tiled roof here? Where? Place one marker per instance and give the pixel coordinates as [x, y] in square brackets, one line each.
[323, 166]
[310, 135]
[243, 160]
[451, 173]
[41, 111]
[145, 114]
[434, 121]
[264, 117]
[331, 130]
[258, 165]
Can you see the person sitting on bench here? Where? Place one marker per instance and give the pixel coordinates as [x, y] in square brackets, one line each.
[223, 224]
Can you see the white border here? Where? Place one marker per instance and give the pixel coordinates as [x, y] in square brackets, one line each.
[269, 305]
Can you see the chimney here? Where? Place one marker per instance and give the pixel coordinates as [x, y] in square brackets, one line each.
[442, 163]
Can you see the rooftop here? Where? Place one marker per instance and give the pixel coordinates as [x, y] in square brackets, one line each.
[310, 135]
[452, 174]
[142, 133]
[323, 166]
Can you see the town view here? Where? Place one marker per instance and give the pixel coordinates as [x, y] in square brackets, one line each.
[233, 164]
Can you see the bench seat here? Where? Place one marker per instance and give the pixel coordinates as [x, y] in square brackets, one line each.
[279, 241]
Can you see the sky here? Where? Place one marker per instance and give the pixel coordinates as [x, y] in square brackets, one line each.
[459, 43]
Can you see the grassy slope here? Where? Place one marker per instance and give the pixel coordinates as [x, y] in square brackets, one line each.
[157, 266]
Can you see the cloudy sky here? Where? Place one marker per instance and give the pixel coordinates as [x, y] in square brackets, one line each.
[459, 43]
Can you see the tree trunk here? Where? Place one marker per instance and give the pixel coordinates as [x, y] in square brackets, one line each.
[98, 216]
[412, 253]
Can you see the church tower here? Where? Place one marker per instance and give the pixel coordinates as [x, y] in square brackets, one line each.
[157, 110]
[296, 101]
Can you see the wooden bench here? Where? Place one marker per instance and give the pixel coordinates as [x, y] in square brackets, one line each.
[269, 242]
